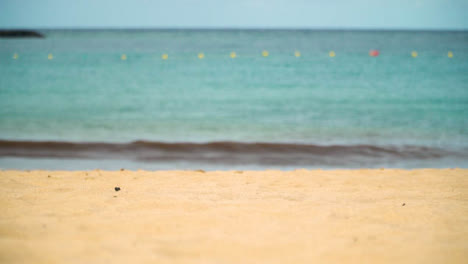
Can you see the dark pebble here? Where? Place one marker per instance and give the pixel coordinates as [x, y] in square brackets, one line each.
[117, 189]
[403, 204]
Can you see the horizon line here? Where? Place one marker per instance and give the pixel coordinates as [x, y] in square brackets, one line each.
[239, 28]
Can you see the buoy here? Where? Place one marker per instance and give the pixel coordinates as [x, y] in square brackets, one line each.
[450, 54]
[15, 56]
[297, 54]
[373, 53]
[265, 53]
[201, 55]
[165, 56]
[233, 55]
[50, 56]
[123, 57]
[331, 54]
[414, 54]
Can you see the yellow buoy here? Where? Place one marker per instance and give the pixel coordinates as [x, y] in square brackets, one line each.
[265, 53]
[414, 54]
[233, 55]
[15, 56]
[165, 56]
[297, 54]
[331, 54]
[123, 57]
[450, 54]
[50, 56]
[201, 55]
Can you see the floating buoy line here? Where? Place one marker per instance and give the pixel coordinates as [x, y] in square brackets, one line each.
[264, 53]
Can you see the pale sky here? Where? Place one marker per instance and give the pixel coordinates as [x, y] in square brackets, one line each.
[365, 14]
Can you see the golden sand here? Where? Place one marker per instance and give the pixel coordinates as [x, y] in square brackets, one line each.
[340, 216]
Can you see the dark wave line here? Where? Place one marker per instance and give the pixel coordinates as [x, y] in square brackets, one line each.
[221, 152]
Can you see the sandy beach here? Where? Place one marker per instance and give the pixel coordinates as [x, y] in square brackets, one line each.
[301, 216]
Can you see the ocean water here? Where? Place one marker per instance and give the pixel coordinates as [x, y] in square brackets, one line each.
[347, 111]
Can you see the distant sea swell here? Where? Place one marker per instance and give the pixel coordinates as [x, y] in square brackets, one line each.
[234, 153]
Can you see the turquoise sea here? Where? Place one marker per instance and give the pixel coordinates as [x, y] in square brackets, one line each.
[111, 94]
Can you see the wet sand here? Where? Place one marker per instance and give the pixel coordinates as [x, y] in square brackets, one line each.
[338, 216]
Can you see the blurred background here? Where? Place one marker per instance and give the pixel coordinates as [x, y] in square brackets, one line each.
[233, 84]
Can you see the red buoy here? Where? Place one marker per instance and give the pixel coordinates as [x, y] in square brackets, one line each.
[373, 53]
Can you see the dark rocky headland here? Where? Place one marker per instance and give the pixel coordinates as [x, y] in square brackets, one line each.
[20, 34]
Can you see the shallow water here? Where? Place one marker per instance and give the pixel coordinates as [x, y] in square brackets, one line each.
[87, 93]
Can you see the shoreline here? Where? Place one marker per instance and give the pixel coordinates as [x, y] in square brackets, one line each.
[267, 216]
[156, 155]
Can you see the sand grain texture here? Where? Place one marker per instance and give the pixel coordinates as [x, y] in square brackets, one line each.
[340, 216]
